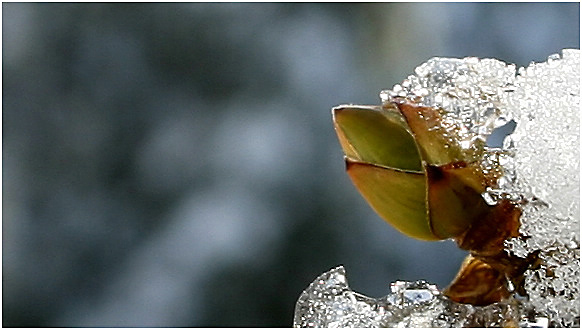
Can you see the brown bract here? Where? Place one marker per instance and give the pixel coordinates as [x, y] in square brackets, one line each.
[490, 271]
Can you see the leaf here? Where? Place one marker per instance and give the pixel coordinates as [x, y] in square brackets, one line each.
[376, 135]
[398, 196]
[454, 198]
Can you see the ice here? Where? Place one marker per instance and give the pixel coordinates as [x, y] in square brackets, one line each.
[409, 304]
[539, 163]
[328, 302]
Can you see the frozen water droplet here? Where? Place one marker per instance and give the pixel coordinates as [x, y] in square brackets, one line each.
[417, 296]
[489, 199]
[553, 60]
[539, 322]
[385, 96]
[421, 92]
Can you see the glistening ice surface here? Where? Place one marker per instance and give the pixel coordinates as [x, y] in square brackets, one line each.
[329, 302]
[540, 166]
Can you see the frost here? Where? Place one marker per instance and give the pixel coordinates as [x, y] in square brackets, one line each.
[539, 163]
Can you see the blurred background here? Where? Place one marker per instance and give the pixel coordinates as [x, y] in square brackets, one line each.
[175, 164]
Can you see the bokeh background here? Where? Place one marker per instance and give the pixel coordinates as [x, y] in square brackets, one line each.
[176, 164]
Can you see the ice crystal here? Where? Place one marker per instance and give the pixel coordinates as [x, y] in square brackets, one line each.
[538, 165]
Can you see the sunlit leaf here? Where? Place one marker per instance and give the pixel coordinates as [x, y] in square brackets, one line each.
[399, 197]
[377, 136]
